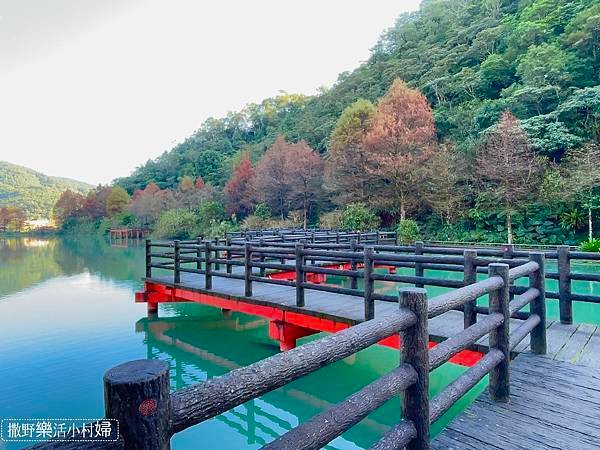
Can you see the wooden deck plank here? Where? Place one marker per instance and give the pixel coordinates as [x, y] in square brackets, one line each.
[554, 404]
[559, 335]
[590, 355]
[573, 348]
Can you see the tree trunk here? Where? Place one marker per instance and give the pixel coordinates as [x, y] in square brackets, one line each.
[590, 228]
[402, 212]
[305, 212]
[509, 228]
[282, 215]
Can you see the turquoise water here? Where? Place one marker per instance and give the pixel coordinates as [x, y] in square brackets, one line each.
[68, 315]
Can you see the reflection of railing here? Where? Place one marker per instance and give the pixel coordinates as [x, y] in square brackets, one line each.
[161, 335]
[137, 393]
[340, 254]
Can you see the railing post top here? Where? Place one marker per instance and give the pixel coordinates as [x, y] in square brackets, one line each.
[138, 371]
[500, 269]
[469, 252]
[403, 292]
[369, 250]
[414, 299]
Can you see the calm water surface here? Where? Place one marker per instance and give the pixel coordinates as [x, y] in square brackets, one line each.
[68, 314]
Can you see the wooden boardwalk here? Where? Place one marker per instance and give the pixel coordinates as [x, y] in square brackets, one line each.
[565, 342]
[554, 399]
[554, 404]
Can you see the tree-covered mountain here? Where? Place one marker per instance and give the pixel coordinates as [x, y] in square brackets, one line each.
[473, 59]
[32, 191]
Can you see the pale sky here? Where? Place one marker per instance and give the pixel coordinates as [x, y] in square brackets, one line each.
[90, 89]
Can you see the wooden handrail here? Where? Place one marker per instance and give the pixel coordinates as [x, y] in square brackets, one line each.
[345, 249]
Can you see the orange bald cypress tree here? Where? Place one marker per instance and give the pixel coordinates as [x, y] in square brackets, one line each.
[400, 141]
[238, 190]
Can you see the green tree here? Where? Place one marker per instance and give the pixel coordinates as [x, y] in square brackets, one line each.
[357, 217]
[117, 200]
[176, 224]
[546, 65]
[347, 159]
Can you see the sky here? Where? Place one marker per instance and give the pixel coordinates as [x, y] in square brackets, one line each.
[92, 89]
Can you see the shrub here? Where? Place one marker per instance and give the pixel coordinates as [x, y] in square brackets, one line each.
[332, 219]
[262, 211]
[210, 214]
[592, 245]
[254, 222]
[408, 231]
[358, 217]
[176, 224]
[218, 229]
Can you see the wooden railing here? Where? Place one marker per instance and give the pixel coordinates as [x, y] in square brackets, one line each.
[137, 393]
[308, 253]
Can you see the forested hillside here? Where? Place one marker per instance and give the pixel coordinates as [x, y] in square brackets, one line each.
[471, 59]
[33, 192]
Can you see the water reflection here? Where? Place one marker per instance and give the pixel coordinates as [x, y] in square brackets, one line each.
[208, 345]
[27, 262]
[199, 343]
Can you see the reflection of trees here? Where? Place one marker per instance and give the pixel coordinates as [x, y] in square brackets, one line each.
[95, 255]
[25, 262]
[198, 348]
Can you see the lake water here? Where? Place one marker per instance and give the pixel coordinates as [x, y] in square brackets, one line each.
[68, 315]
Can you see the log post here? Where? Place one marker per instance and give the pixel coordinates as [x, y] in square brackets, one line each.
[469, 277]
[507, 251]
[228, 266]
[299, 248]
[564, 285]
[499, 384]
[148, 258]
[207, 267]
[137, 395]
[378, 238]
[337, 237]
[177, 262]
[419, 266]
[247, 269]
[354, 280]
[414, 349]
[217, 254]
[537, 280]
[261, 244]
[369, 283]
[199, 253]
